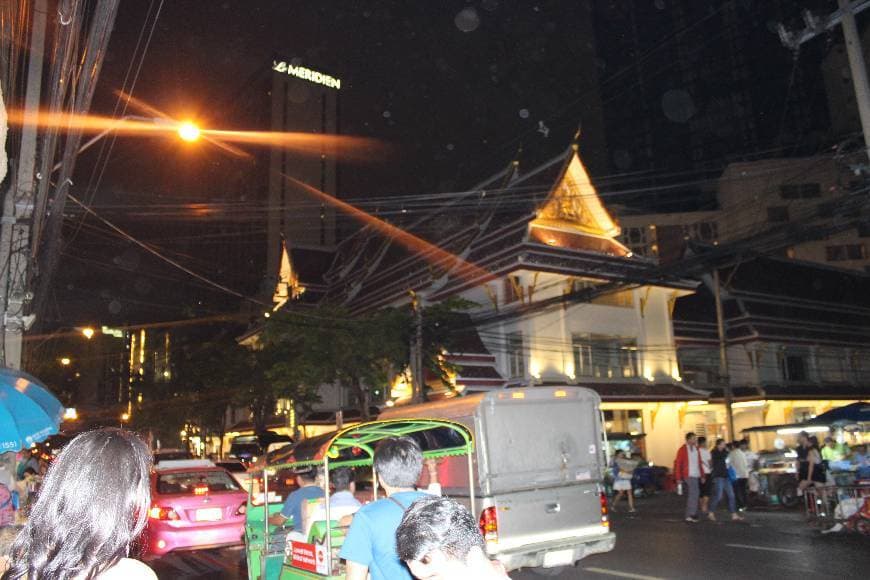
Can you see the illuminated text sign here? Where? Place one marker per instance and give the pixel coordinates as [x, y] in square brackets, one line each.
[300, 72]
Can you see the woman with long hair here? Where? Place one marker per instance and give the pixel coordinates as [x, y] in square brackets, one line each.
[92, 506]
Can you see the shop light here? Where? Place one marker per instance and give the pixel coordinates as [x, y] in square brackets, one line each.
[697, 403]
[809, 429]
[748, 404]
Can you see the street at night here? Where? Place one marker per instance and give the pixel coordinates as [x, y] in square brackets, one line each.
[401, 289]
[656, 543]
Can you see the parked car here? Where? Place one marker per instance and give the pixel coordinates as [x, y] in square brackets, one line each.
[194, 504]
[238, 470]
[538, 471]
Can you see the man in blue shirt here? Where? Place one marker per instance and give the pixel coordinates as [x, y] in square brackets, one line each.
[292, 510]
[370, 545]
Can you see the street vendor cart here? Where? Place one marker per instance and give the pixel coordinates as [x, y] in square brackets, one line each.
[311, 549]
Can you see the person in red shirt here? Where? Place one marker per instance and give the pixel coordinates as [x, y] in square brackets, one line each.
[688, 468]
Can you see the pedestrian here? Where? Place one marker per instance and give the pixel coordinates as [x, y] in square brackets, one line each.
[810, 468]
[740, 464]
[706, 480]
[370, 545]
[439, 539]
[308, 488]
[93, 506]
[721, 481]
[623, 471]
[687, 469]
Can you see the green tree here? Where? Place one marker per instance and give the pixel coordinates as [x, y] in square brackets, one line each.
[359, 353]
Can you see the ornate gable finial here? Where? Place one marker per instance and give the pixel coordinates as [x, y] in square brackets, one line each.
[575, 143]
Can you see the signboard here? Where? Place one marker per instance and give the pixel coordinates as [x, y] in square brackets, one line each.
[310, 557]
[300, 72]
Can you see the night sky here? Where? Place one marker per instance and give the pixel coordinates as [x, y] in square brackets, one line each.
[454, 87]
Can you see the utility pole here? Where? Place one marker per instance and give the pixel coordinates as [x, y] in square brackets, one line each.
[417, 349]
[858, 68]
[844, 16]
[18, 205]
[724, 379]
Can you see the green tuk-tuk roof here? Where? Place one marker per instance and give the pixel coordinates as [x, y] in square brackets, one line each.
[363, 437]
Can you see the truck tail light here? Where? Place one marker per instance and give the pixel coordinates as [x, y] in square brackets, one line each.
[162, 513]
[605, 520]
[489, 525]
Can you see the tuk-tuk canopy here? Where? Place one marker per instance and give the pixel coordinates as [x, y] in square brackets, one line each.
[354, 446]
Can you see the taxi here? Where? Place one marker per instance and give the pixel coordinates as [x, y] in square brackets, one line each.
[194, 504]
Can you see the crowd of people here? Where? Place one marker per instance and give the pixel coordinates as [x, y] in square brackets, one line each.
[708, 475]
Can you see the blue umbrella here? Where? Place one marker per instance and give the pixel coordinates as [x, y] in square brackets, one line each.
[29, 413]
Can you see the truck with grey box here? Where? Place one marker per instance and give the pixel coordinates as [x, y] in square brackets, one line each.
[539, 465]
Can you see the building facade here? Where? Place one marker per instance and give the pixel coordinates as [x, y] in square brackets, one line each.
[797, 343]
[763, 195]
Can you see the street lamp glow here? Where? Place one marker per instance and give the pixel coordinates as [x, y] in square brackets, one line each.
[188, 131]
[70, 414]
[65, 361]
[88, 332]
[125, 417]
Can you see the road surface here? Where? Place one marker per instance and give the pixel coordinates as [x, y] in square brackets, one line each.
[655, 544]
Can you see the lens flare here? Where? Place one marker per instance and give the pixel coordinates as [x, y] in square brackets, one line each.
[430, 252]
[311, 144]
[188, 132]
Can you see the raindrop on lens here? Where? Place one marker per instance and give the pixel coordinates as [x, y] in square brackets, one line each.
[524, 113]
[467, 20]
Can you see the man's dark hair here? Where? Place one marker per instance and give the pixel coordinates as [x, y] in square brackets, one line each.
[398, 461]
[341, 478]
[437, 523]
[689, 435]
[702, 441]
[308, 475]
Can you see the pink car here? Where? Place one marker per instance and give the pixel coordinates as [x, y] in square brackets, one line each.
[193, 505]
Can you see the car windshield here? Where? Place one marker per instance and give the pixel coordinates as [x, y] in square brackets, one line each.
[195, 482]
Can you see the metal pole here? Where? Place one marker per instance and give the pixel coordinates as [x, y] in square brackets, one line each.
[471, 501]
[858, 68]
[724, 380]
[328, 515]
[265, 552]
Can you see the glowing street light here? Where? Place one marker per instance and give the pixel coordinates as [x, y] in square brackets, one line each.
[125, 417]
[88, 332]
[188, 132]
[65, 361]
[70, 414]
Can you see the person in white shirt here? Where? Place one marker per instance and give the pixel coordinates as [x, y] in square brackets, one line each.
[737, 459]
[344, 488]
[706, 470]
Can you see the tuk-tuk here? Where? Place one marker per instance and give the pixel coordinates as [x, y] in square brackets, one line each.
[311, 549]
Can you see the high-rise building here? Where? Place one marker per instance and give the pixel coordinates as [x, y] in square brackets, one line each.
[304, 100]
[689, 86]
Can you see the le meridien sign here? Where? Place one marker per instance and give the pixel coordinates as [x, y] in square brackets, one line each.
[300, 72]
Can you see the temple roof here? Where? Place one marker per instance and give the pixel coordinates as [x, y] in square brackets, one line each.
[549, 218]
